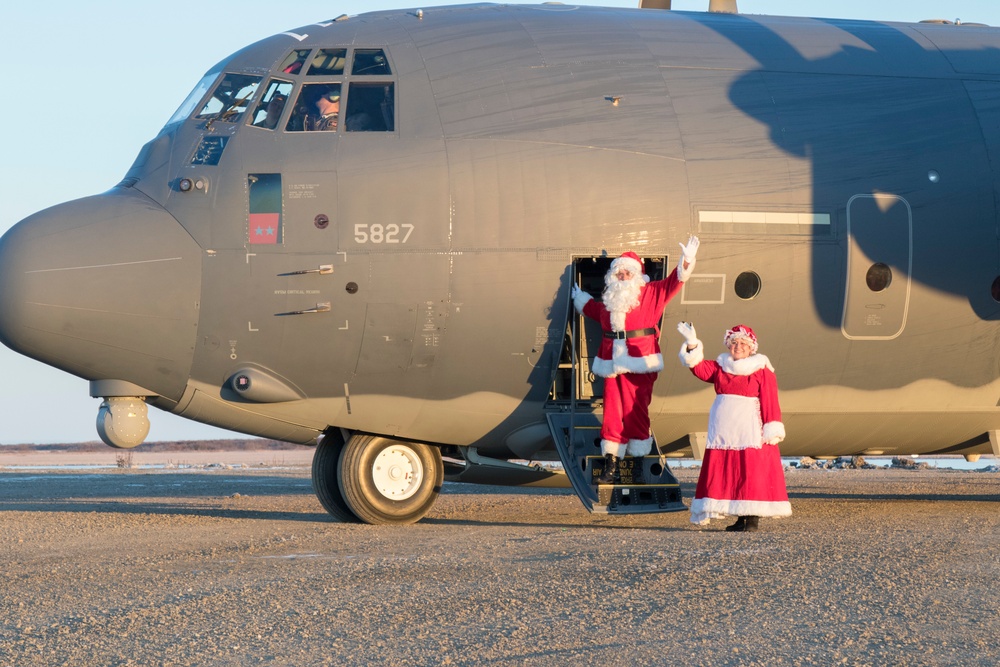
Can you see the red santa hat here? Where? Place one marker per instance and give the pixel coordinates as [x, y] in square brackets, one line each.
[741, 331]
[629, 260]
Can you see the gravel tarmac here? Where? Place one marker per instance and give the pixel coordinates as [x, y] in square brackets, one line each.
[243, 567]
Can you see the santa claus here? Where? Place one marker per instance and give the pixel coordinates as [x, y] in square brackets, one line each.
[629, 357]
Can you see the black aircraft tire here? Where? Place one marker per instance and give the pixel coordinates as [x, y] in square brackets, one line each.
[386, 481]
[324, 478]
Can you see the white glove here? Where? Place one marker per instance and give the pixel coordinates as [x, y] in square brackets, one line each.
[574, 292]
[691, 249]
[687, 330]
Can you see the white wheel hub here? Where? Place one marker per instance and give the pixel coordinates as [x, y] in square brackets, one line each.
[397, 472]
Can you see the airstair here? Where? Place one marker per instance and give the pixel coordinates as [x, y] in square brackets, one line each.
[577, 435]
[574, 416]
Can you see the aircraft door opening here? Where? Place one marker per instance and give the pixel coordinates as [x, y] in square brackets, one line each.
[574, 379]
[879, 265]
[575, 413]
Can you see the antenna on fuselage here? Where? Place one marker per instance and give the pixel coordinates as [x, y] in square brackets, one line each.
[719, 6]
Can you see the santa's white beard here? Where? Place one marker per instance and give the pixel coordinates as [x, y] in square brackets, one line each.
[621, 296]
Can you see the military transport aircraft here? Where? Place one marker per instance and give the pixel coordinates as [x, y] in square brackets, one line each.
[364, 232]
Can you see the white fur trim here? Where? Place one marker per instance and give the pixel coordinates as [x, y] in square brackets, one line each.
[774, 432]
[581, 300]
[747, 366]
[618, 323]
[609, 368]
[640, 447]
[619, 348]
[694, 357]
[613, 448]
[704, 509]
[682, 273]
[628, 263]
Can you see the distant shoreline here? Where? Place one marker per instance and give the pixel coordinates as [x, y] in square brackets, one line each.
[235, 444]
[107, 457]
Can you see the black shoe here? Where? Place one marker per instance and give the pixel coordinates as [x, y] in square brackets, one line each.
[751, 525]
[637, 470]
[740, 525]
[610, 474]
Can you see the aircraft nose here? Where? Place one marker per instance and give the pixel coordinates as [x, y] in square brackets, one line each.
[105, 288]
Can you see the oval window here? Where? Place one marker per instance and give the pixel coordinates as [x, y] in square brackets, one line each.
[995, 289]
[747, 285]
[879, 277]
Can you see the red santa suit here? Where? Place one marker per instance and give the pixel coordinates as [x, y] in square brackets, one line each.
[629, 357]
[741, 474]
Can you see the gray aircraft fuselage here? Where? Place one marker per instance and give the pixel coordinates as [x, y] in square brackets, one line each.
[408, 273]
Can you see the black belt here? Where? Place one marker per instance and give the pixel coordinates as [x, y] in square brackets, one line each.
[635, 333]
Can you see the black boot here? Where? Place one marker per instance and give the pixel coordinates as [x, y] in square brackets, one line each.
[751, 525]
[610, 474]
[637, 470]
[738, 527]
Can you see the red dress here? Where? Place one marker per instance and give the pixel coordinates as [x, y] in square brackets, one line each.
[741, 474]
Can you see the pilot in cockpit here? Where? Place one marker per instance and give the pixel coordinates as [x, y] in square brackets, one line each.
[273, 112]
[328, 108]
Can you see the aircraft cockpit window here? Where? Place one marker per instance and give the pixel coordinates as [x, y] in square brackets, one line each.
[317, 108]
[370, 61]
[371, 107]
[191, 102]
[231, 98]
[271, 104]
[328, 62]
[293, 62]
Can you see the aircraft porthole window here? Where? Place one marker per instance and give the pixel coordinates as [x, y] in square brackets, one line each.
[879, 277]
[747, 285]
[995, 289]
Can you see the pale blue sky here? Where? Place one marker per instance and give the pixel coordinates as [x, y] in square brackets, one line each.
[105, 56]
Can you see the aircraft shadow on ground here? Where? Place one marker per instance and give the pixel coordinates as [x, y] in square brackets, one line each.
[131, 493]
[118, 507]
[128, 493]
[901, 497]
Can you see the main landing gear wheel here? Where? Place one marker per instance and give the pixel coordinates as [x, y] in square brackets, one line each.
[324, 477]
[386, 481]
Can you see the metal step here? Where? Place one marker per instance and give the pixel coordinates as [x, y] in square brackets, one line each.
[577, 436]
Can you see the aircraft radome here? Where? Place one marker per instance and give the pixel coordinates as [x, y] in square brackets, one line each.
[398, 286]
